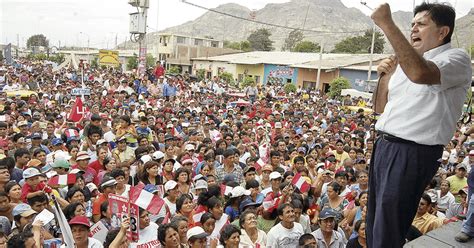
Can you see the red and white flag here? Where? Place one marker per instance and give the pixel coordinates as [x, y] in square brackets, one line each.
[62, 180]
[270, 203]
[259, 164]
[77, 110]
[225, 190]
[300, 183]
[146, 200]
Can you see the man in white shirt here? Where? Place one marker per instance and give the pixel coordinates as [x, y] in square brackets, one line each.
[287, 232]
[420, 95]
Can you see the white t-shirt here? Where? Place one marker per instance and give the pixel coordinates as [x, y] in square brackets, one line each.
[94, 243]
[147, 236]
[280, 236]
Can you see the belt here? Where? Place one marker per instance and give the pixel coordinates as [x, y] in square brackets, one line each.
[394, 139]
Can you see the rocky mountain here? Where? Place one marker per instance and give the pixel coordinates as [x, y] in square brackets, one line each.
[325, 21]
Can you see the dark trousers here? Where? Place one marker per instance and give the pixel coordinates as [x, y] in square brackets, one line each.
[399, 173]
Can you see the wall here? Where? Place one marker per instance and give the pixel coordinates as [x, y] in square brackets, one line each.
[214, 67]
[358, 78]
[279, 74]
[307, 77]
[256, 71]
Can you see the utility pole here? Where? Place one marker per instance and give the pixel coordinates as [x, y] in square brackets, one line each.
[17, 44]
[138, 31]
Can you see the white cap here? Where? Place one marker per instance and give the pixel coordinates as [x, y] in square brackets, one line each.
[101, 141]
[185, 124]
[145, 158]
[196, 232]
[200, 184]
[445, 155]
[189, 147]
[239, 191]
[278, 125]
[169, 126]
[170, 185]
[91, 187]
[275, 175]
[158, 155]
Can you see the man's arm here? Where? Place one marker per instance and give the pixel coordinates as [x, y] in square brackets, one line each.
[380, 96]
[417, 69]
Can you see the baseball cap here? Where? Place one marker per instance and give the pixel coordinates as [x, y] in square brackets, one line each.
[57, 141]
[80, 220]
[249, 168]
[471, 153]
[168, 137]
[82, 155]
[301, 149]
[247, 202]
[186, 161]
[36, 136]
[91, 187]
[267, 168]
[22, 123]
[278, 125]
[200, 184]
[158, 155]
[61, 163]
[445, 155]
[464, 190]
[189, 147]
[461, 154]
[23, 209]
[238, 192]
[169, 126]
[196, 232]
[33, 163]
[327, 213]
[101, 141]
[275, 175]
[108, 181]
[171, 184]
[31, 172]
[145, 158]
[461, 166]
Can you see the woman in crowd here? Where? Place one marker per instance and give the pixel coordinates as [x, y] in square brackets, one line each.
[13, 191]
[251, 236]
[74, 209]
[150, 173]
[230, 236]
[168, 236]
[183, 178]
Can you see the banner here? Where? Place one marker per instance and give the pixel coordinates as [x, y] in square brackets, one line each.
[77, 110]
[120, 208]
[99, 231]
[109, 58]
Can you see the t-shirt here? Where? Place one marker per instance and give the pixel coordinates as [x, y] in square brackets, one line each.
[148, 237]
[279, 236]
[94, 243]
[456, 183]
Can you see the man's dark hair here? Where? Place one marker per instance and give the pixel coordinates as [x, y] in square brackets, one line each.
[274, 154]
[94, 130]
[38, 198]
[427, 198]
[282, 207]
[441, 14]
[20, 152]
[229, 152]
[304, 237]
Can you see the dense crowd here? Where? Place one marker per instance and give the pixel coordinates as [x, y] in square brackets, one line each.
[226, 168]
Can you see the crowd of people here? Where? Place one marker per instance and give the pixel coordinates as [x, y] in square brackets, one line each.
[229, 171]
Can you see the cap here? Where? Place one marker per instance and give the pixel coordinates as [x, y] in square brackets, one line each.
[186, 161]
[471, 153]
[247, 202]
[23, 209]
[36, 136]
[101, 141]
[169, 126]
[158, 155]
[327, 213]
[275, 175]
[82, 155]
[433, 195]
[330, 153]
[151, 188]
[302, 149]
[91, 187]
[249, 168]
[445, 155]
[464, 190]
[461, 166]
[267, 168]
[238, 192]
[57, 141]
[61, 163]
[80, 220]
[31, 172]
[108, 181]
[196, 232]
[170, 185]
[168, 137]
[145, 158]
[22, 123]
[75, 171]
[200, 184]
[461, 154]
[33, 163]
[189, 147]
[278, 125]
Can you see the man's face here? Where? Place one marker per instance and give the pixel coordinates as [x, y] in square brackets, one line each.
[327, 225]
[423, 207]
[250, 175]
[4, 203]
[461, 172]
[4, 175]
[80, 233]
[275, 160]
[39, 206]
[425, 34]
[23, 160]
[288, 215]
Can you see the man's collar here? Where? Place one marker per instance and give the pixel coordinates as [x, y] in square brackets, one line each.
[437, 50]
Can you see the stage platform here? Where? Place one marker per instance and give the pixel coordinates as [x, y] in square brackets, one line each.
[442, 237]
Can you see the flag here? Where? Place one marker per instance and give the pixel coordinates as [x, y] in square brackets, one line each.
[62, 180]
[77, 110]
[259, 164]
[264, 152]
[300, 183]
[269, 203]
[63, 225]
[146, 200]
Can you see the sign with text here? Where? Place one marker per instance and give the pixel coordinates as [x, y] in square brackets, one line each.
[121, 208]
[81, 91]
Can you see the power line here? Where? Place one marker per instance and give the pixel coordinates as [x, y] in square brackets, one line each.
[271, 24]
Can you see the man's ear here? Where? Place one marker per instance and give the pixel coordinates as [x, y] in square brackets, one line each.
[443, 32]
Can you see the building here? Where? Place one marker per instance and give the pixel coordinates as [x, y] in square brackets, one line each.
[288, 67]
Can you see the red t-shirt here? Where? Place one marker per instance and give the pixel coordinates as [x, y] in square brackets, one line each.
[25, 190]
[96, 205]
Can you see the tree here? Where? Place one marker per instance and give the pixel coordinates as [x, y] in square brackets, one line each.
[132, 62]
[248, 81]
[361, 44]
[242, 45]
[227, 77]
[95, 62]
[174, 70]
[201, 74]
[294, 37]
[307, 47]
[337, 85]
[260, 40]
[37, 40]
[290, 87]
[57, 58]
[150, 61]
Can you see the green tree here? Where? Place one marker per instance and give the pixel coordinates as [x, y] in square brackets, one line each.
[201, 74]
[150, 60]
[132, 62]
[173, 70]
[361, 44]
[260, 40]
[248, 80]
[242, 45]
[57, 58]
[289, 87]
[37, 40]
[294, 37]
[337, 85]
[307, 47]
[95, 62]
[227, 77]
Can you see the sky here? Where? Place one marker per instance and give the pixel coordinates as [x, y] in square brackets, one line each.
[102, 22]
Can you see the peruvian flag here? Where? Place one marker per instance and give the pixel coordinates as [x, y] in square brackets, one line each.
[225, 190]
[62, 180]
[264, 152]
[146, 200]
[77, 110]
[300, 183]
[198, 214]
[270, 203]
[259, 164]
